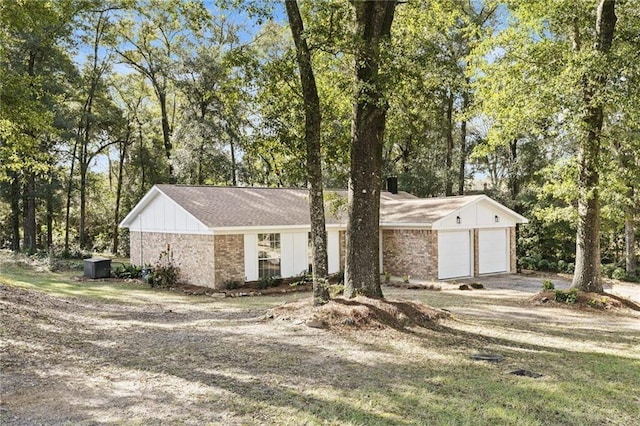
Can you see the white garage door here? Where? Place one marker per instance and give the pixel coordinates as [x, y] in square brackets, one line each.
[454, 254]
[492, 251]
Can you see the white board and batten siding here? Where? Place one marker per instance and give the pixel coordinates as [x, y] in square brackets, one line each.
[163, 215]
[333, 251]
[479, 215]
[294, 253]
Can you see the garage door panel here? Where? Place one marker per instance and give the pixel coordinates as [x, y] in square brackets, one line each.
[492, 251]
[454, 254]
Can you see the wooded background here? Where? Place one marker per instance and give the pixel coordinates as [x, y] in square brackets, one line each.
[100, 100]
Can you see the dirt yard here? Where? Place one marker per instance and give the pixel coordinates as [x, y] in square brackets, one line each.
[110, 353]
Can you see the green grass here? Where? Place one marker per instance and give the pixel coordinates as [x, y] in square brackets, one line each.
[260, 372]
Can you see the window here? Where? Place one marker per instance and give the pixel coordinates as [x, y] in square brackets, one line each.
[268, 255]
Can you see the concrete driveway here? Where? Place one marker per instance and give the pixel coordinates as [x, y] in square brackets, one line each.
[533, 284]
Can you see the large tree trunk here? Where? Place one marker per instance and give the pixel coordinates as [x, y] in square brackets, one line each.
[362, 272]
[312, 120]
[587, 275]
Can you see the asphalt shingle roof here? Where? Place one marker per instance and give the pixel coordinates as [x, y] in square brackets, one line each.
[219, 207]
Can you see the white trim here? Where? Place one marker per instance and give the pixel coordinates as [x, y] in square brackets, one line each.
[225, 230]
[139, 207]
[173, 231]
[391, 225]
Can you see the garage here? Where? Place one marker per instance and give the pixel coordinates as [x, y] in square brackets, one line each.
[454, 254]
[493, 253]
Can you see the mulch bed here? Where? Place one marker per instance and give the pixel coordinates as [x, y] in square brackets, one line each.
[359, 313]
[586, 301]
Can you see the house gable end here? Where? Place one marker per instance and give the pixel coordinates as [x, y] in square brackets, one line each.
[157, 212]
[481, 213]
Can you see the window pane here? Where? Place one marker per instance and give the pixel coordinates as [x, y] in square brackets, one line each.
[268, 255]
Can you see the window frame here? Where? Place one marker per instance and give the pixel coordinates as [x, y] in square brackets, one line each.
[269, 255]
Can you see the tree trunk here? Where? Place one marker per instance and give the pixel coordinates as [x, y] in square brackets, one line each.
[312, 120]
[29, 225]
[362, 274]
[49, 204]
[587, 275]
[232, 147]
[463, 145]
[449, 153]
[631, 263]
[15, 211]
[83, 204]
[514, 183]
[69, 192]
[116, 215]
[166, 130]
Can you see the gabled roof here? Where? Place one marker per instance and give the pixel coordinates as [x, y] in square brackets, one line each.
[423, 210]
[236, 207]
[219, 207]
[427, 211]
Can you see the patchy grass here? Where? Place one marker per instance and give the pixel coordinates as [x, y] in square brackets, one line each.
[149, 356]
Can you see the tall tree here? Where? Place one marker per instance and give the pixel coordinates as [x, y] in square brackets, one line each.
[313, 119]
[373, 21]
[153, 37]
[587, 276]
[34, 65]
[91, 121]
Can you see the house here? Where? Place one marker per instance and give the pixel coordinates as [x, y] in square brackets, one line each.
[221, 234]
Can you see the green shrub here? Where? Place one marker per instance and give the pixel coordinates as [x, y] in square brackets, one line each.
[619, 274]
[127, 271]
[607, 270]
[336, 278]
[231, 285]
[562, 266]
[387, 277]
[569, 297]
[269, 281]
[527, 263]
[335, 290]
[547, 285]
[543, 265]
[164, 274]
[570, 268]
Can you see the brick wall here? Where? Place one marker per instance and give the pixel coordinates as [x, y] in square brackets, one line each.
[192, 253]
[410, 252]
[229, 259]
